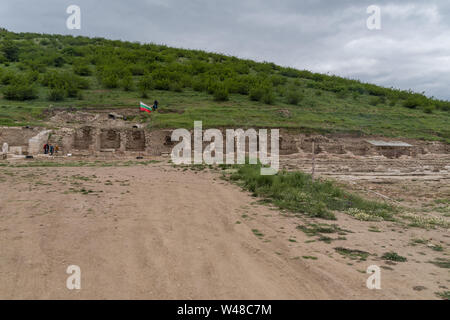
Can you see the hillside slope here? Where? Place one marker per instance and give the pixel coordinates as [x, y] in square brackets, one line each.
[38, 71]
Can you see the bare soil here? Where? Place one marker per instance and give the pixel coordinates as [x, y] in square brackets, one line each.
[164, 232]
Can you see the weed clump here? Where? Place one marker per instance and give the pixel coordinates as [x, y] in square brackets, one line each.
[297, 192]
[393, 256]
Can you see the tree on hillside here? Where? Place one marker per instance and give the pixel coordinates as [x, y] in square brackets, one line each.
[10, 50]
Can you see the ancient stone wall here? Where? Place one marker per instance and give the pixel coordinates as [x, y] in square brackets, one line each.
[135, 140]
[110, 139]
[83, 138]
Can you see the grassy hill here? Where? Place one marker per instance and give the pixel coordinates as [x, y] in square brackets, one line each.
[38, 70]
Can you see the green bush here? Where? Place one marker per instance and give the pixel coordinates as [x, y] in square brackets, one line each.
[145, 83]
[374, 101]
[199, 84]
[20, 91]
[137, 69]
[176, 87]
[163, 84]
[56, 94]
[256, 93]
[68, 81]
[412, 103]
[240, 86]
[8, 77]
[82, 70]
[110, 81]
[72, 90]
[428, 109]
[221, 94]
[268, 97]
[58, 61]
[127, 83]
[10, 50]
[294, 97]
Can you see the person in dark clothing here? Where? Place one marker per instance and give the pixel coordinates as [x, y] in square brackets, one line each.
[52, 150]
[46, 148]
[155, 105]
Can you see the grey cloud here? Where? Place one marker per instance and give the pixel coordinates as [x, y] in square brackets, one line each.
[412, 50]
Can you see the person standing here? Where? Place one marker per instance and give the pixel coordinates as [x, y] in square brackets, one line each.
[46, 148]
[155, 105]
[52, 149]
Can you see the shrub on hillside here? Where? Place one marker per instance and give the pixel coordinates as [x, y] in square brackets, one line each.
[268, 97]
[20, 91]
[278, 80]
[221, 94]
[56, 94]
[82, 69]
[145, 84]
[163, 84]
[374, 101]
[342, 94]
[127, 83]
[110, 81]
[256, 93]
[58, 61]
[176, 87]
[428, 109]
[7, 77]
[137, 70]
[199, 85]
[10, 50]
[412, 103]
[64, 80]
[237, 86]
[294, 97]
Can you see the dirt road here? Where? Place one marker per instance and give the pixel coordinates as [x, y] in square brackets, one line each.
[156, 232]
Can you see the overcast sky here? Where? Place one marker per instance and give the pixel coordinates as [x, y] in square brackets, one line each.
[412, 49]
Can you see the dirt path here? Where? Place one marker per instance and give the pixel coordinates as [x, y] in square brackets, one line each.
[155, 232]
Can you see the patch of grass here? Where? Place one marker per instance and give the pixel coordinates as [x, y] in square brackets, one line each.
[425, 222]
[258, 233]
[393, 256]
[309, 257]
[322, 228]
[417, 241]
[314, 229]
[378, 215]
[292, 240]
[445, 295]
[437, 247]
[297, 192]
[326, 239]
[441, 263]
[353, 253]
[374, 229]
[84, 191]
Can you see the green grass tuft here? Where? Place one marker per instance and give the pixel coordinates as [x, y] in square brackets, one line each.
[297, 192]
[393, 256]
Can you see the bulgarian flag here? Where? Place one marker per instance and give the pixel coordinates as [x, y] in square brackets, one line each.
[144, 107]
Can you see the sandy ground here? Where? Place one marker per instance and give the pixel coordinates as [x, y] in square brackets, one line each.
[158, 232]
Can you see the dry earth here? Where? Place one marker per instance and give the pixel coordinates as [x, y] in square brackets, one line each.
[160, 232]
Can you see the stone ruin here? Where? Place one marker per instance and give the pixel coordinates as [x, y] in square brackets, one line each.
[116, 137]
